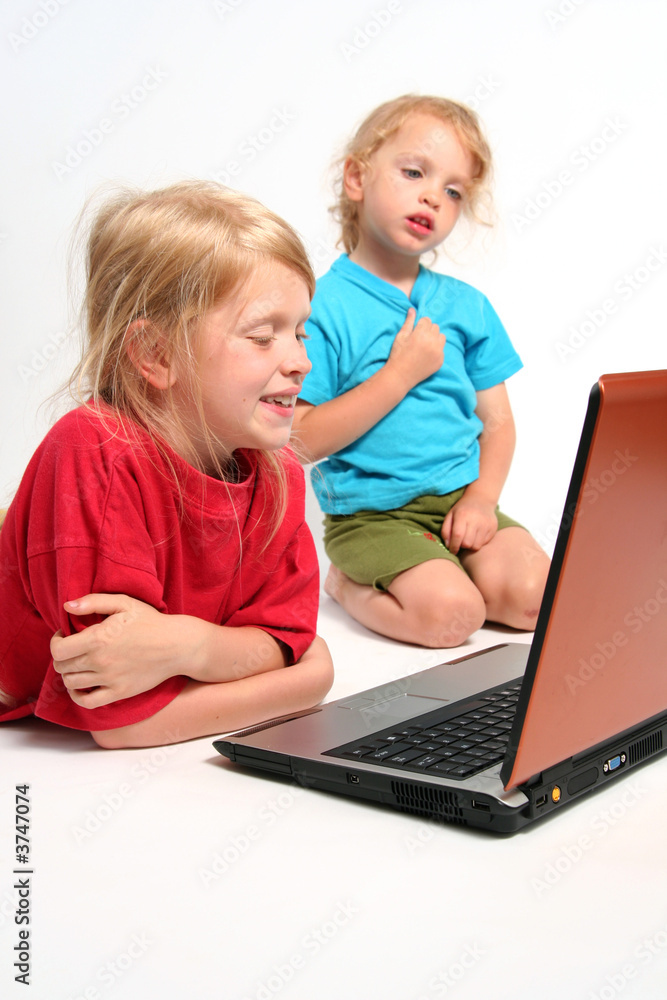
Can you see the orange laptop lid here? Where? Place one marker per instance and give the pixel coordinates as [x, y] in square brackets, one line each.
[597, 662]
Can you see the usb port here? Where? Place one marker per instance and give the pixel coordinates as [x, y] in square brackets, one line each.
[484, 806]
[542, 801]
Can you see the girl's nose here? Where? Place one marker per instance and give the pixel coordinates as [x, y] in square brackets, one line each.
[297, 362]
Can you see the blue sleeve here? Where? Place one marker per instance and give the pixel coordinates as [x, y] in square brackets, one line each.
[490, 356]
[323, 349]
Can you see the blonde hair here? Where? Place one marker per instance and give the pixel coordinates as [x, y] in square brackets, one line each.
[168, 257]
[382, 123]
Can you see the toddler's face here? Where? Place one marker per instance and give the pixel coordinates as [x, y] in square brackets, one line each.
[411, 195]
[252, 360]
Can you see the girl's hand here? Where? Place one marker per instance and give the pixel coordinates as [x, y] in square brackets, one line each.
[418, 350]
[470, 524]
[133, 650]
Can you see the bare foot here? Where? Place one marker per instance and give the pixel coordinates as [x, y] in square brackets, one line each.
[334, 581]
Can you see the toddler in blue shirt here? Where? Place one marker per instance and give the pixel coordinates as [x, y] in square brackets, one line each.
[417, 436]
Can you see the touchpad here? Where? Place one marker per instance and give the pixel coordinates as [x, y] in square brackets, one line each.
[399, 707]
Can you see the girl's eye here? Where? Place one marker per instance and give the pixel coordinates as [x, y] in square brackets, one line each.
[262, 341]
[412, 172]
[453, 194]
[301, 336]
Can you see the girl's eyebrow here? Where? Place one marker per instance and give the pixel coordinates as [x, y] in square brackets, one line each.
[273, 317]
[257, 319]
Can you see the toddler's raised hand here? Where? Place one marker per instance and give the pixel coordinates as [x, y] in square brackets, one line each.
[418, 350]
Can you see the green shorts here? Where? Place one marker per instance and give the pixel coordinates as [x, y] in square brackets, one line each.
[372, 547]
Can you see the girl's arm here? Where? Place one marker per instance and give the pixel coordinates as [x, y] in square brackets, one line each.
[416, 353]
[209, 709]
[471, 522]
[137, 647]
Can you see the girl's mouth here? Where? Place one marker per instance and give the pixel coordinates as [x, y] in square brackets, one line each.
[287, 402]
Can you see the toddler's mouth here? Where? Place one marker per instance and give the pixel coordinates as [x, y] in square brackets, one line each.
[421, 222]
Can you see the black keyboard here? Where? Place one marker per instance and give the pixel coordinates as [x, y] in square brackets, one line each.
[452, 746]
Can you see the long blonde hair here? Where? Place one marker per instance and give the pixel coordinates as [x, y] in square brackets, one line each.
[168, 257]
[382, 123]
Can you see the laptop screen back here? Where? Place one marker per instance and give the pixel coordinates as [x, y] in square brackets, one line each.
[598, 658]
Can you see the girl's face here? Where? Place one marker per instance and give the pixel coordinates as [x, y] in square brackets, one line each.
[252, 361]
[412, 193]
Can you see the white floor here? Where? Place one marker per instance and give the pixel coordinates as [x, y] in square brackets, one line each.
[170, 873]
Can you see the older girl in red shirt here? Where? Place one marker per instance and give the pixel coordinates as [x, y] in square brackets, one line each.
[159, 529]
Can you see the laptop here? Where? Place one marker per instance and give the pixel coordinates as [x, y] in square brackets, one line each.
[503, 737]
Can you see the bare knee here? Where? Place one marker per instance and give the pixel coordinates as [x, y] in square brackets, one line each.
[528, 599]
[448, 620]
[516, 602]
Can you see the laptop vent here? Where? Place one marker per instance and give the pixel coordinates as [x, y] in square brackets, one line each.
[436, 803]
[645, 748]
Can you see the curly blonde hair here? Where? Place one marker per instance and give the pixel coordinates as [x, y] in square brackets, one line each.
[382, 123]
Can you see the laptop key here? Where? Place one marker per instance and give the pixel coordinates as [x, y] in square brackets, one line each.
[445, 767]
[357, 752]
[426, 761]
[403, 757]
[388, 751]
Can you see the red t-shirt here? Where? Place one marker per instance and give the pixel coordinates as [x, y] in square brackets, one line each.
[97, 514]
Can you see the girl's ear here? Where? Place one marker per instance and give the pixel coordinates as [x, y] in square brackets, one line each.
[146, 348]
[353, 179]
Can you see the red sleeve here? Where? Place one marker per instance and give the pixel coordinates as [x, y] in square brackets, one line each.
[74, 528]
[285, 600]
[79, 571]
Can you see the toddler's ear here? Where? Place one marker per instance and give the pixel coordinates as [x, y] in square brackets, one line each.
[353, 179]
[146, 348]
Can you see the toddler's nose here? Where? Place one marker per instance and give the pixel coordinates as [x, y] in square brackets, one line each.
[431, 197]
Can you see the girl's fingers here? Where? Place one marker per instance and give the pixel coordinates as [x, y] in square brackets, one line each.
[99, 604]
[64, 649]
[96, 698]
[82, 681]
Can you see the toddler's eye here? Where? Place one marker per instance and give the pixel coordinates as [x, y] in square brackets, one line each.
[263, 341]
[301, 336]
[453, 194]
[412, 172]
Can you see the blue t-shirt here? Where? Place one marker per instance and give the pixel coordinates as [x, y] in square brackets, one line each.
[428, 443]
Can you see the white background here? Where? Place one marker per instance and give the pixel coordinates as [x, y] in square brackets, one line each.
[262, 95]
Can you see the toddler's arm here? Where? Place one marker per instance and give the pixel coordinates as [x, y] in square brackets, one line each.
[417, 352]
[471, 522]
